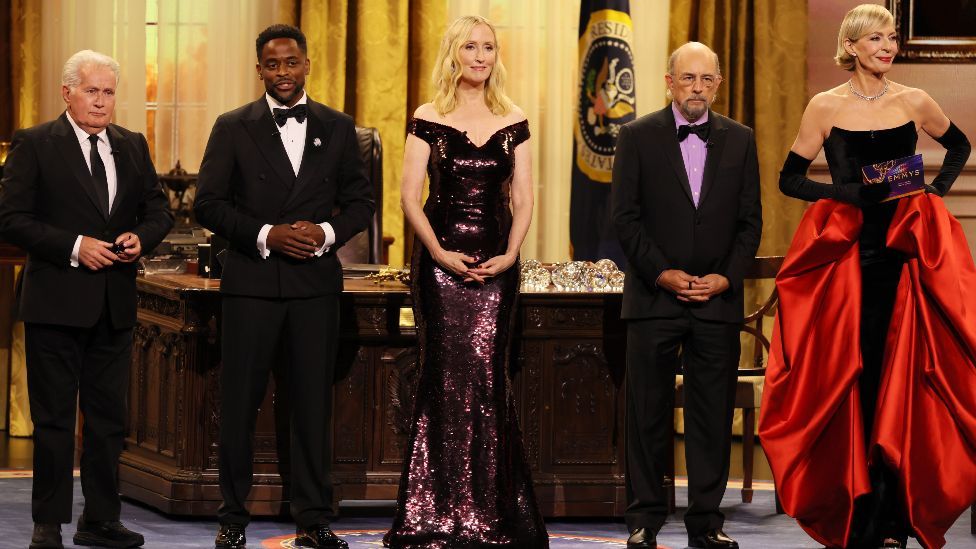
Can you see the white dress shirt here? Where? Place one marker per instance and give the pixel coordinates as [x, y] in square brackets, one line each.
[293, 138]
[105, 152]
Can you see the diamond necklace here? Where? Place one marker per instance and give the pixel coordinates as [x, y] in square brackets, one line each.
[850, 84]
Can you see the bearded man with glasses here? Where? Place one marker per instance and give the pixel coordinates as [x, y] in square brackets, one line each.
[686, 208]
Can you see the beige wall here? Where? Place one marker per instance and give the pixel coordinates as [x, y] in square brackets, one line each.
[651, 24]
[950, 84]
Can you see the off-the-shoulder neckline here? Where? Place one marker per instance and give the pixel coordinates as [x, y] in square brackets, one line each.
[465, 134]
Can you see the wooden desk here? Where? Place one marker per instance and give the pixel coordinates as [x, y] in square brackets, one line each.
[569, 349]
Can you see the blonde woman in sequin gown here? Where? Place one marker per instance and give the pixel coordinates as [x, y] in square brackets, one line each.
[465, 482]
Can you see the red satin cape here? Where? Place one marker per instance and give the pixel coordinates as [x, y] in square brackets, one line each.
[925, 428]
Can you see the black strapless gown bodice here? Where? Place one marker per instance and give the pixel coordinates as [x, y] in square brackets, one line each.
[847, 151]
[466, 483]
[879, 513]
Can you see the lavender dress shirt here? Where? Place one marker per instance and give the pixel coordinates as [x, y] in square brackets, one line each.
[693, 153]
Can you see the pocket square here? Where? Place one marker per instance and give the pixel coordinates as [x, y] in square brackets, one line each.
[317, 142]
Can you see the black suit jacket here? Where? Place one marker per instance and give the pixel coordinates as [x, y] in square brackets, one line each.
[246, 181]
[48, 198]
[660, 228]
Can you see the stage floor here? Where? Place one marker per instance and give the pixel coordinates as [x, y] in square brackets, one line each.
[754, 525]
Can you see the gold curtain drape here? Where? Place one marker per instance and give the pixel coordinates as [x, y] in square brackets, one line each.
[6, 90]
[25, 62]
[20, 424]
[759, 43]
[25, 66]
[372, 59]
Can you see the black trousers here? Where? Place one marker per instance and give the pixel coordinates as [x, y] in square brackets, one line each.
[254, 329]
[709, 354]
[67, 367]
[881, 513]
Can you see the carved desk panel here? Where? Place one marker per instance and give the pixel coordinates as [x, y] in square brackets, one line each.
[568, 371]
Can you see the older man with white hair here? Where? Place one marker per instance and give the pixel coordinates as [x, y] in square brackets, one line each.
[81, 196]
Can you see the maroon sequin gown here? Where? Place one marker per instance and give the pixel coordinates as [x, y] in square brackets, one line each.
[466, 483]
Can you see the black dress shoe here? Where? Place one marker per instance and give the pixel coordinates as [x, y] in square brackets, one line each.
[642, 538]
[319, 536]
[713, 539]
[106, 534]
[230, 536]
[46, 536]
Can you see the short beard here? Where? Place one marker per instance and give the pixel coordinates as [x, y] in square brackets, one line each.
[297, 92]
[693, 115]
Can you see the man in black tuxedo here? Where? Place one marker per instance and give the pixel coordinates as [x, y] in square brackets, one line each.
[685, 201]
[273, 174]
[81, 196]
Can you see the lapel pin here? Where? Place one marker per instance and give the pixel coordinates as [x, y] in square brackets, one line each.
[317, 142]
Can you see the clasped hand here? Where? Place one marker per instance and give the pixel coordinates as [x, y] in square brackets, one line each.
[97, 254]
[459, 264]
[691, 288]
[299, 240]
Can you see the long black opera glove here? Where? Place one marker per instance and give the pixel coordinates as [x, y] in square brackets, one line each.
[793, 182]
[957, 152]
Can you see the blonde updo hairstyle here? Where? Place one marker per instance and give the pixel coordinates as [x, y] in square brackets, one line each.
[857, 23]
[447, 69]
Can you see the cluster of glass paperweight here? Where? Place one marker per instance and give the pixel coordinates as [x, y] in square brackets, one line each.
[571, 276]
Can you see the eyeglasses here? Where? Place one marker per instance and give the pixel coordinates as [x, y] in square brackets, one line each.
[708, 80]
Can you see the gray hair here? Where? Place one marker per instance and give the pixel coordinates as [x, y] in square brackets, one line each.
[71, 74]
[674, 58]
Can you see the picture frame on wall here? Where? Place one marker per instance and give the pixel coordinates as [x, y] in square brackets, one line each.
[936, 32]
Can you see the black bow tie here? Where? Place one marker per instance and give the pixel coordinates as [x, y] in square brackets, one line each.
[300, 112]
[701, 130]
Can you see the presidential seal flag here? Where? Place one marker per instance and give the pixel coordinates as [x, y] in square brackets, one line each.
[605, 102]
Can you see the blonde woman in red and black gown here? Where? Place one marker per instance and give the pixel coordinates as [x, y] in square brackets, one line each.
[869, 411]
[466, 483]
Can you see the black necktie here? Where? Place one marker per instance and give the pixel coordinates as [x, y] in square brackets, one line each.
[298, 111]
[98, 173]
[701, 130]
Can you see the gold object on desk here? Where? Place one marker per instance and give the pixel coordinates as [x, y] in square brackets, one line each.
[389, 274]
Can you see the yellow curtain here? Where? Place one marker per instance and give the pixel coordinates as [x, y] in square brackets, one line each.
[25, 41]
[20, 419]
[372, 59]
[759, 43]
[6, 89]
[25, 62]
